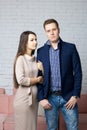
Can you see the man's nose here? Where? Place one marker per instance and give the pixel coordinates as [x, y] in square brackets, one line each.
[52, 32]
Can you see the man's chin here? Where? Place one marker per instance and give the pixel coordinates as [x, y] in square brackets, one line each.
[54, 41]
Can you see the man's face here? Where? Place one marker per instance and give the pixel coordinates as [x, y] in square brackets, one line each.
[52, 32]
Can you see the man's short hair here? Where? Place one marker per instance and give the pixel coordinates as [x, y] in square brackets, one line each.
[49, 21]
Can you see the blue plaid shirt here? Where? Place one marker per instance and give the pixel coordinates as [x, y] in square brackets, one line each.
[55, 77]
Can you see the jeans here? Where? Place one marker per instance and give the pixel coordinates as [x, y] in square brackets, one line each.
[70, 115]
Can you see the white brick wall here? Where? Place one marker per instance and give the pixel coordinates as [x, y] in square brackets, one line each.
[19, 15]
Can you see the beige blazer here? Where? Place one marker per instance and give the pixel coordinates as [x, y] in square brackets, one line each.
[26, 68]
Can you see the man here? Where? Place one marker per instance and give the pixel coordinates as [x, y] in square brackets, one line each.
[62, 78]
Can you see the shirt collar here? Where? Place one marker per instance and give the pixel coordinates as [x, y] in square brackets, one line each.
[49, 44]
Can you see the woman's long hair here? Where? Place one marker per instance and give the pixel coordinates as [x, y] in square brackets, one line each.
[21, 51]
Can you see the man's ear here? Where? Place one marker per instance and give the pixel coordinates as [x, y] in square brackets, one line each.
[59, 30]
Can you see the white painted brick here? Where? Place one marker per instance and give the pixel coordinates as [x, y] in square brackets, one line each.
[17, 16]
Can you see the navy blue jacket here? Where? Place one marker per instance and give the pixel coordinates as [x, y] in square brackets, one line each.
[70, 67]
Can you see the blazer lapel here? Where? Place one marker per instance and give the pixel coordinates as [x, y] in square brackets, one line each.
[46, 51]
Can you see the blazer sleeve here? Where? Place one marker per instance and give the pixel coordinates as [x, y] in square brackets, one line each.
[77, 72]
[20, 73]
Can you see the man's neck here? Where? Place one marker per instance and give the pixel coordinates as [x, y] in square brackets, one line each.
[55, 45]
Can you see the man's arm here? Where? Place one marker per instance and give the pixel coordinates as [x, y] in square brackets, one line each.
[77, 72]
[77, 79]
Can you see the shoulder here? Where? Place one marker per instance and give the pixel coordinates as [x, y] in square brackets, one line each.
[42, 48]
[20, 59]
[68, 45]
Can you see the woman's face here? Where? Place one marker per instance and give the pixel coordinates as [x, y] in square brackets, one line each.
[32, 42]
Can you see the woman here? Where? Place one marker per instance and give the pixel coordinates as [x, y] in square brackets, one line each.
[25, 79]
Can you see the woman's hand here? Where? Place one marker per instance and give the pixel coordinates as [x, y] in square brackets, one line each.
[40, 66]
[36, 80]
[40, 79]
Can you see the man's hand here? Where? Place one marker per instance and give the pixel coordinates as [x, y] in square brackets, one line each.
[45, 104]
[71, 103]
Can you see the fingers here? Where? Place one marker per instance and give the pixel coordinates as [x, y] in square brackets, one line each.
[48, 106]
[45, 104]
[40, 79]
[71, 103]
[40, 66]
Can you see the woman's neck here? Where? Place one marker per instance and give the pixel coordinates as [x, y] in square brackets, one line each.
[29, 53]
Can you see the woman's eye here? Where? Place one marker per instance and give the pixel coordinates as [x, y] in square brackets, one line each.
[31, 39]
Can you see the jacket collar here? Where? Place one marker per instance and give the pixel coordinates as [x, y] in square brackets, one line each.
[49, 44]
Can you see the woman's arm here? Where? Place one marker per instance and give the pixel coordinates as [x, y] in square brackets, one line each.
[21, 79]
